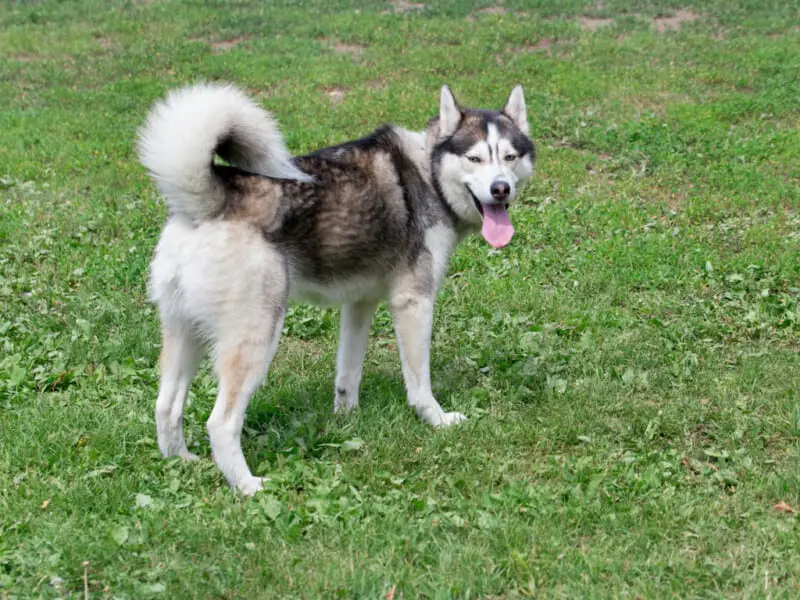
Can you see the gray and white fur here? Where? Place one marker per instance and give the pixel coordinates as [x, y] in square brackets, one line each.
[349, 225]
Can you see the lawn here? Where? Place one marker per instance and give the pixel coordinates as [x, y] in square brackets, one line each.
[629, 364]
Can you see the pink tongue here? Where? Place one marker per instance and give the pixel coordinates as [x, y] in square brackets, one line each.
[497, 228]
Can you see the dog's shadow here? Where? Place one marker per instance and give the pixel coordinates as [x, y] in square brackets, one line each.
[295, 413]
[299, 417]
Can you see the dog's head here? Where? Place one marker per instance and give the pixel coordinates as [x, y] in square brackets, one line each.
[479, 160]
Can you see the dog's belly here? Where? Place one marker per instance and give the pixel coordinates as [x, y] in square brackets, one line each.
[336, 293]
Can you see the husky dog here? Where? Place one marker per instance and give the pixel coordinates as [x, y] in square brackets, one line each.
[349, 225]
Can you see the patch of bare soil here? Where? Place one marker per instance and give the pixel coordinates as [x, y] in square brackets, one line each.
[335, 94]
[24, 58]
[225, 45]
[402, 6]
[354, 51]
[104, 42]
[543, 45]
[594, 23]
[378, 84]
[674, 23]
[654, 101]
[265, 93]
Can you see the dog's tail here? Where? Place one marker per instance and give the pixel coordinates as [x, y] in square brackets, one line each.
[182, 134]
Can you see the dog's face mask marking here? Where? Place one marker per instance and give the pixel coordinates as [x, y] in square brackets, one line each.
[486, 154]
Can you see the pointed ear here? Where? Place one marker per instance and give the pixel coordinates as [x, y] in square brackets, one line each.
[449, 113]
[515, 109]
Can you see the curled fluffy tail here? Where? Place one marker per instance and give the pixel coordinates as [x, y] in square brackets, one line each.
[182, 134]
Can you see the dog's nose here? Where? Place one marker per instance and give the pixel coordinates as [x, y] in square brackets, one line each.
[500, 190]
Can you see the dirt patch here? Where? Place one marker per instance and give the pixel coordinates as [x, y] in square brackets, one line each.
[266, 92]
[335, 94]
[493, 10]
[674, 23]
[26, 58]
[594, 23]
[354, 51]
[225, 45]
[378, 84]
[543, 45]
[104, 42]
[402, 6]
[654, 101]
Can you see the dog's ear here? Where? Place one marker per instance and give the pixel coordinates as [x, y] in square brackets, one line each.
[516, 111]
[449, 113]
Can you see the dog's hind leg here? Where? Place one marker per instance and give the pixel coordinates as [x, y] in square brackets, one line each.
[180, 356]
[353, 336]
[242, 360]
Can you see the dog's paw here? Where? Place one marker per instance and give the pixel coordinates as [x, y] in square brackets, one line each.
[344, 407]
[344, 401]
[250, 486]
[451, 418]
[189, 456]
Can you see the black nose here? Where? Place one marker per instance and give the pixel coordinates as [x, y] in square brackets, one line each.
[500, 190]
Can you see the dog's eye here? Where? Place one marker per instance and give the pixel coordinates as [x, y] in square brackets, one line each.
[474, 159]
[510, 157]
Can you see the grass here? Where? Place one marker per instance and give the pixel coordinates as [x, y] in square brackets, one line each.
[629, 363]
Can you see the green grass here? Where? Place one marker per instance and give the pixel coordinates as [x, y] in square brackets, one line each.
[629, 363]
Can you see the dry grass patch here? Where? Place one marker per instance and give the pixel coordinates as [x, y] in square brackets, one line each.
[226, 45]
[493, 10]
[26, 58]
[594, 23]
[675, 22]
[104, 42]
[335, 94]
[354, 51]
[402, 6]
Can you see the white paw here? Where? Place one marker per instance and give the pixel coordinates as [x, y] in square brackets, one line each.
[451, 418]
[344, 407]
[189, 456]
[344, 402]
[432, 414]
[250, 486]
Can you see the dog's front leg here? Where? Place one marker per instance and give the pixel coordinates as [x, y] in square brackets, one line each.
[413, 320]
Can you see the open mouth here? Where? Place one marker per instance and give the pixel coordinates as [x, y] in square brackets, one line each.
[497, 228]
[479, 204]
